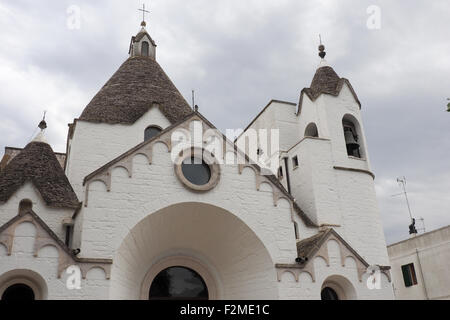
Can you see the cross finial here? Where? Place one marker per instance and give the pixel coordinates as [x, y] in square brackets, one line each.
[143, 14]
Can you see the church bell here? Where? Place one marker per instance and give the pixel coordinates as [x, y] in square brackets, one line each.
[350, 141]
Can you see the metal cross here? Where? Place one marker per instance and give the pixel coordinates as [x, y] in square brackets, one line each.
[143, 12]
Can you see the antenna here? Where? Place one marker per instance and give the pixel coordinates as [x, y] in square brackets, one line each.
[402, 182]
[193, 99]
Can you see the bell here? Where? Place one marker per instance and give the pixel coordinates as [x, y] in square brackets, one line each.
[350, 141]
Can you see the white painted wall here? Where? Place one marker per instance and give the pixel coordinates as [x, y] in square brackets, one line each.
[430, 254]
[345, 277]
[53, 217]
[93, 144]
[95, 286]
[132, 199]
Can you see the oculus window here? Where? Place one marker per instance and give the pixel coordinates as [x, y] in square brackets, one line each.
[196, 171]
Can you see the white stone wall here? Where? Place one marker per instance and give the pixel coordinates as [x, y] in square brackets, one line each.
[53, 217]
[111, 215]
[281, 116]
[94, 145]
[430, 254]
[23, 261]
[346, 278]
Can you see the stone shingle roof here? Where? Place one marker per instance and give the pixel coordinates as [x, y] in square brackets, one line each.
[326, 81]
[132, 90]
[37, 163]
[306, 247]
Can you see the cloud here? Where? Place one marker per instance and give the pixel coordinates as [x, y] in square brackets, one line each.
[238, 55]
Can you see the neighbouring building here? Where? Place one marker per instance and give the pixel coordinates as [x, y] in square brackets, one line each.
[135, 223]
[420, 266]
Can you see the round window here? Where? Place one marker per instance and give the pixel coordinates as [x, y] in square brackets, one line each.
[196, 171]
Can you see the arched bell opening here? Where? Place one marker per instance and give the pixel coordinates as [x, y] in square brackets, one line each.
[353, 137]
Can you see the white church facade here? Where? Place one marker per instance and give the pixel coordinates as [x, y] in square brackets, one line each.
[121, 215]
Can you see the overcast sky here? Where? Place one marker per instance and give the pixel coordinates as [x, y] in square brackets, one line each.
[239, 54]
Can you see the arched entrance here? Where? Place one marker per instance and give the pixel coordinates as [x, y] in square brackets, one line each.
[220, 248]
[22, 285]
[337, 287]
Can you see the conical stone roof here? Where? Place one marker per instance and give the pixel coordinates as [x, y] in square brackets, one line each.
[132, 90]
[37, 163]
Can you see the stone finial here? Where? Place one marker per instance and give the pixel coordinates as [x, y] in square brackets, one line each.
[322, 52]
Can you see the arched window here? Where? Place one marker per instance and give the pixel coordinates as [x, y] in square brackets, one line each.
[352, 136]
[25, 205]
[311, 130]
[329, 294]
[178, 283]
[145, 49]
[151, 132]
[18, 292]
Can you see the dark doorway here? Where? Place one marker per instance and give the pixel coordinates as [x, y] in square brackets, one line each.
[178, 283]
[329, 294]
[18, 292]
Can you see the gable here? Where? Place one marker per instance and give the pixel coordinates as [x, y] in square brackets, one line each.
[43, 237]
[104, 173]
[316, 246]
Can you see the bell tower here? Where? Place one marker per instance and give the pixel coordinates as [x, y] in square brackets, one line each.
[330, 171]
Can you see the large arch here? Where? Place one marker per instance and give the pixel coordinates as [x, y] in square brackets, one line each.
[210, 240]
